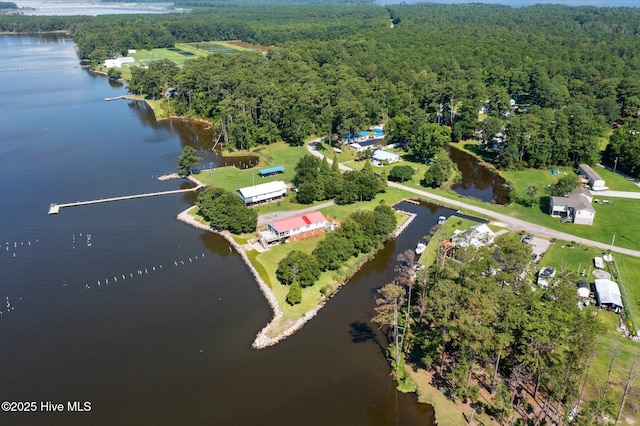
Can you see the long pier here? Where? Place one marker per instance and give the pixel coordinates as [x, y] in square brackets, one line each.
[55, 208]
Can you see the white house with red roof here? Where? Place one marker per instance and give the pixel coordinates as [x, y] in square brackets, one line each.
[306, 225]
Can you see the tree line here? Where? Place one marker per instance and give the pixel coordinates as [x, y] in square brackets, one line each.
[362, 232]
[316, 181]
[551, 79]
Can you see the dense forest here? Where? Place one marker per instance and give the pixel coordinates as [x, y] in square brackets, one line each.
[550, 81]
[477, 322]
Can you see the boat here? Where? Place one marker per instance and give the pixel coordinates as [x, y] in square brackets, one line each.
[421, 247]
[441, 220]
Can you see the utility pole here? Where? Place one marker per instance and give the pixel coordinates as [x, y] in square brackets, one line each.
[615, 164]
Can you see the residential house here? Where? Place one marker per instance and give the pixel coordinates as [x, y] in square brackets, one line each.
[306, 225]
[364, 145]
[575, 207]
[545, 276]
[476, 236]
[117, 62]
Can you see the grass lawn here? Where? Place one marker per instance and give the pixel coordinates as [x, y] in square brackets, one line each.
[614, 181]
[311, 296]
[178, 54]
[609, 219]
[390, 197]
[277, 154]
[448, 413]
[520, 179]
[580, 257]
[577, 258]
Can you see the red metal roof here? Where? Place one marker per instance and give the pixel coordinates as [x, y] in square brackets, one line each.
[289, 223]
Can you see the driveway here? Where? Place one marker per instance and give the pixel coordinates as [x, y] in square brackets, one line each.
[616, 194]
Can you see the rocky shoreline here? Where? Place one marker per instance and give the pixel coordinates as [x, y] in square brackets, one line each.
[263, 340]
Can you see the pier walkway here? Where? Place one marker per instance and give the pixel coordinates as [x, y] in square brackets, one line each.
[55, 208]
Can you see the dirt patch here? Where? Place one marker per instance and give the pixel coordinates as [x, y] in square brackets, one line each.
[600, 274]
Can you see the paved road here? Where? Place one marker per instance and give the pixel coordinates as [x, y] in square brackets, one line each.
[502, 219]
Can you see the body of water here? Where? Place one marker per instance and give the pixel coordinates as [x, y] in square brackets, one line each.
[478, 181]
[147, 319]
[89, 8]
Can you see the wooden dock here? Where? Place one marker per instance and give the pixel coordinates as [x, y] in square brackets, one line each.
[55, 208]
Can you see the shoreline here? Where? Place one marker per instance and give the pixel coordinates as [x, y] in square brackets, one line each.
[263, 340]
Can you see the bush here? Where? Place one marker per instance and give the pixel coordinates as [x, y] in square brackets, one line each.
[294, 296]
[401, 173]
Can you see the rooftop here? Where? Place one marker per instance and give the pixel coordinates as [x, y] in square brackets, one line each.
[289, 223]
[589, 172]
[579, 199]
[263, 188]
[271, 170]
[608, 292]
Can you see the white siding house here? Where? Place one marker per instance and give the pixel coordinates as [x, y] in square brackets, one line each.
[575, 207]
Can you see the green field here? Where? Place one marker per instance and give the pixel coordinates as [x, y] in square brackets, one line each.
[182, 52]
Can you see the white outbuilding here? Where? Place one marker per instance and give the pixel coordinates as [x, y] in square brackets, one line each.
[595, 181]
[608, 295]
[117, 62]
[264, 192]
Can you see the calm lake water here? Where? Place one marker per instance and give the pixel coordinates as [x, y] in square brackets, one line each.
[478, 181]
[89, 8]
[169, 342]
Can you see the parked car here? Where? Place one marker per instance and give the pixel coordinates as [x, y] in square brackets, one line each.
[527, 239]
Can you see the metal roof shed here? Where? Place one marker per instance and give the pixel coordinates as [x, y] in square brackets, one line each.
[271, 170]
[608, 294]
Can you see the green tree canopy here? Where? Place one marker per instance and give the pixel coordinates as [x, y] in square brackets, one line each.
[298, 267]
[225, 210]
[187, 160]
